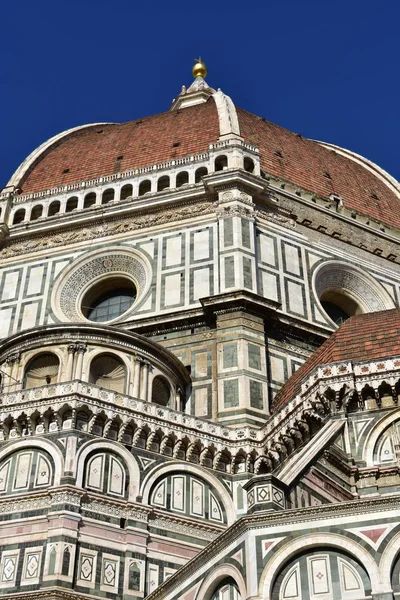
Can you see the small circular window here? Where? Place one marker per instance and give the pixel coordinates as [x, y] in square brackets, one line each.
[104, 286]
[108, 299]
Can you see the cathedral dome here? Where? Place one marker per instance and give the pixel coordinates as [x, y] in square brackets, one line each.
[201, 116]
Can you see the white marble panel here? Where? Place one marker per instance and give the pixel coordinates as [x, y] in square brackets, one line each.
[200, 402]
[201, 245]
[277, 369]
[29, 315]
[267, 250]
[295, 297]
[270, 286]
[10, 286]
[35, 280]
[292, 259]
[172, 289]
[173, 251]
[201, 283]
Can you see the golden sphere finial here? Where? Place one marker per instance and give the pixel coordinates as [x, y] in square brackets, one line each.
[199, 69]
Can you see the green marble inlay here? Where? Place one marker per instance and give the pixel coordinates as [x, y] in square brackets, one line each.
[230, 356]
[247, 274]
[229, 271]
[256, 395]
[231, 393]
[246, 233]
[254, 357]
[228, 232]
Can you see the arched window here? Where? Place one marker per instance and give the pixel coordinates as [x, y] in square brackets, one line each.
[54, 208]
[66, 561]
[327, 574]
[200, 172]
[108, 371]
[385, 448]
[105, 473]
[108, 196]
[183, 493]
[221, 163]
[160, 393]
[19, 216]
[41, 370]
[182, 178]
[37, 212]
[126, 191]
[163, 183]
[26, 470]
[135, 581]
[144, 187]
[72, 204]
[89, 200]
[227, 590]
[248, 164]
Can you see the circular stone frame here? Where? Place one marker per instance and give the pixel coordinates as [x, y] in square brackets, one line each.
[92, 268]
[360, 287]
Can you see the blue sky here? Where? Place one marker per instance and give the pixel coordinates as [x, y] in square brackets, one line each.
[328, 70]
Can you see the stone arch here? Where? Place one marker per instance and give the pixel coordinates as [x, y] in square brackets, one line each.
[118, 449]
[349, 288]
[42, 444]
[166, 469]
[313, 541]
[216, 576]
[388, 558]
[373, 436]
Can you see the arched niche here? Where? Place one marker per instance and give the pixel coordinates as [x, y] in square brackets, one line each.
[108, 372]
[90, 448]
[321, 573]
[226, 590]
[41, 370]
[184, 493]
[105, 473]
[160, 391]
[385, 447]
[26, 470]
[157, 473]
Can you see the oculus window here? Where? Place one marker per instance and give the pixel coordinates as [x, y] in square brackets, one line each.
[108, 300]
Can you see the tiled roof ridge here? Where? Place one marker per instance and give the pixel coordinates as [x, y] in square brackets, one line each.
[348, 343]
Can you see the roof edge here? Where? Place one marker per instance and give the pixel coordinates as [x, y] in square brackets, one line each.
[34, 156]
[383, 175]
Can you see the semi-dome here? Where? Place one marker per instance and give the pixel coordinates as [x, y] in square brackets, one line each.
[201, 116]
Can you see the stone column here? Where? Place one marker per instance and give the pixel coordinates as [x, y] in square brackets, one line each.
[70, 364]
[81, 349]
[144, 380]
[178, 398]
[11, 379]
[136, 377]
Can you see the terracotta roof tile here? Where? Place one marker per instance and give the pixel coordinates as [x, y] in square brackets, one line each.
[88, 153]
[310, 165]
[372, 336]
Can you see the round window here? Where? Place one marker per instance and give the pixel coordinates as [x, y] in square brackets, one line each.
[108, 299]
